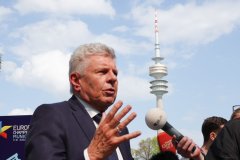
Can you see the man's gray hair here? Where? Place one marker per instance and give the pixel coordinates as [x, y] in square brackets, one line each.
[77, 60]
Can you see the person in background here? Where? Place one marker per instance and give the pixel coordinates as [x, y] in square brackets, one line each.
[167, 155]
[210, 129]
[236, 112]
[70, 130]
[227, 144]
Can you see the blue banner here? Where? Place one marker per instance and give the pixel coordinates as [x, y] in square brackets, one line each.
[13, 131]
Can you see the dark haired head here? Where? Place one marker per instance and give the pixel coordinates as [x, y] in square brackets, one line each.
[212, 124]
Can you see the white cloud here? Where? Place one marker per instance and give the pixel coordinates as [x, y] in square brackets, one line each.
[50, 35]
[68, 34]
[47, 71]
[121, 29]
[125, 46]
[63, 7]
[189, 23]
[131, 87]
[4, 12]
[45, 68]
[136, 69]
[8, 67]
[21, 111]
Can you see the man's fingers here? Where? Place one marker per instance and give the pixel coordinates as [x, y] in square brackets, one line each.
[110, 115]
[114, 118]
[129, 119]
[125, 110]
[129, 136]
[116, 121]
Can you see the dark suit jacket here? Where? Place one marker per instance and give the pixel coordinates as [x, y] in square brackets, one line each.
[62, 131]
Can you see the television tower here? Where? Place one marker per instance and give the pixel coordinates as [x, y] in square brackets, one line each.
[158, 71]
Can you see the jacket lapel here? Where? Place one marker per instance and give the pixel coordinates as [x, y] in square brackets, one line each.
[82, 117]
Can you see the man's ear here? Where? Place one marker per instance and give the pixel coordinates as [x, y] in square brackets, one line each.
[213, 135]
[75, 81]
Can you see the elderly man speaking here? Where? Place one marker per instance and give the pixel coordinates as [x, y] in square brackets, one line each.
[79, 129]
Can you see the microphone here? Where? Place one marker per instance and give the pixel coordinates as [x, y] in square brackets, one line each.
[156, 119]
[169, 129]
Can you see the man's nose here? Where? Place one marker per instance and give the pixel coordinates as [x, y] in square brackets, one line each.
[112, 77]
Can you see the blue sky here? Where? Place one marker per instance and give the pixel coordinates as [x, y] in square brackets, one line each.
[199, 40]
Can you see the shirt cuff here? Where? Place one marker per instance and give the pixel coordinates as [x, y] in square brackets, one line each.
[85, 153]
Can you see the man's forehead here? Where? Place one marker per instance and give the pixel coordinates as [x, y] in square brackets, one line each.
[96, 61]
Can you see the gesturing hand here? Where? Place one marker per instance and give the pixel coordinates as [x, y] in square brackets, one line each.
[107, 137]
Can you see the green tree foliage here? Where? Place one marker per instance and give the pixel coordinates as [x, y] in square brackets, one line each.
[147, 148]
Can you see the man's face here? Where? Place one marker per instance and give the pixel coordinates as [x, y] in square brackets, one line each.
[99, 84]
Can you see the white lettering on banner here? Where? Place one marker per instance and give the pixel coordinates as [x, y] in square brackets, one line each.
[21, 127]
[20, 132]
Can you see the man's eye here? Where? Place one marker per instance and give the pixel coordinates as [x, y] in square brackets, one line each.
[102, 71]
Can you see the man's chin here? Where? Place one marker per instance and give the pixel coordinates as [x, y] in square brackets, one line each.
[104, 104]
[109, 99]
[110, 102]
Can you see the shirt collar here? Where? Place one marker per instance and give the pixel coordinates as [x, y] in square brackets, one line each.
[91, 111]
